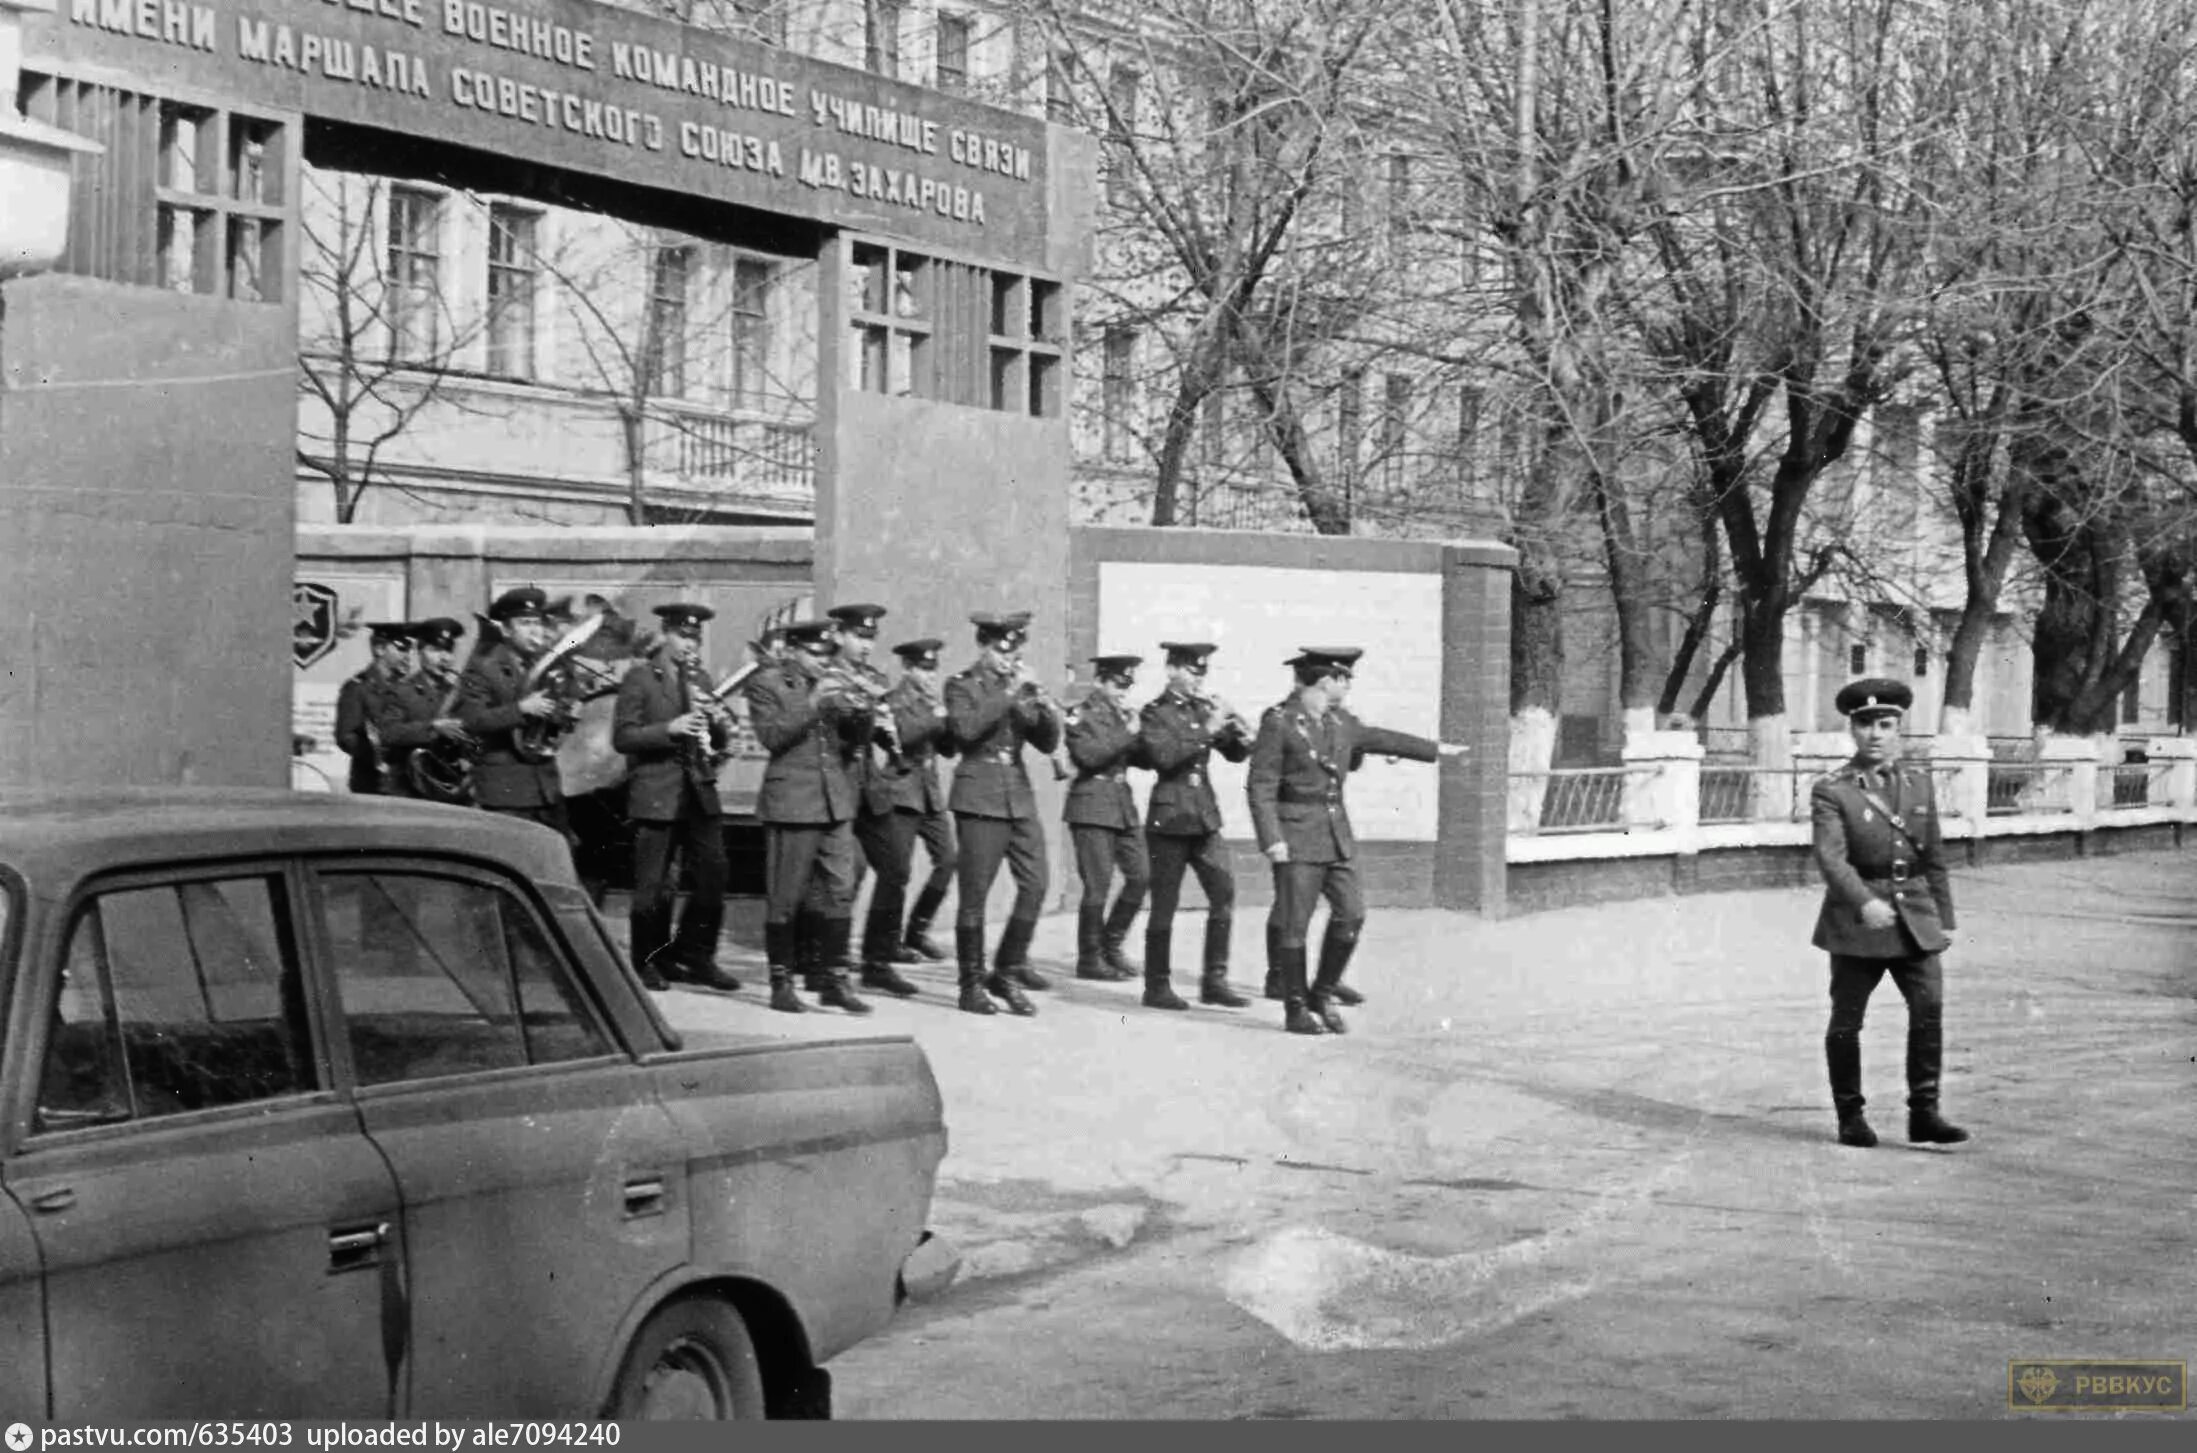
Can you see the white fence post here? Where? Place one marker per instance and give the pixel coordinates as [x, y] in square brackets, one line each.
[1663, 784]
[2179, 754]
[1971, 790]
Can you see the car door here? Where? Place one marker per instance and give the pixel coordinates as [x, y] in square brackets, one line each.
[218, 1236]
[543, 1185]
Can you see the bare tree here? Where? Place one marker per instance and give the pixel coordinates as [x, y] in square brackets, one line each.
[381, 340]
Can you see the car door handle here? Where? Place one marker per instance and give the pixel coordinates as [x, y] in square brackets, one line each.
[55, 1200]
[349, 1250]
[645, 1197]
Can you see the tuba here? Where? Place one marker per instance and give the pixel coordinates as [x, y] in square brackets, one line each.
[536, 739]
[442, 771]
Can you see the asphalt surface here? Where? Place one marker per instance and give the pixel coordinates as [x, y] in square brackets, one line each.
[1574, 1164]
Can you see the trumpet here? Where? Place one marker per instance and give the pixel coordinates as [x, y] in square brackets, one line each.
[1226, 717]
[853, 693]
[1032, 692]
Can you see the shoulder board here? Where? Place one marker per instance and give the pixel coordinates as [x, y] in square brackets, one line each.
[1279, 708]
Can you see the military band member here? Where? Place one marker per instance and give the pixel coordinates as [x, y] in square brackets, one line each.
[1887, 908]
[1103, 822]
[1308, 745]
[993, 708]
[873, 768]
[903, 795]
[1179, 730]
[811, 727]
[422, 708]
[921, 692]
[495, 703]
[368, 699]
[672, 736]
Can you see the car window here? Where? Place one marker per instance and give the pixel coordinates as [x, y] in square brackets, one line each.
[445, 976]
[173, 998]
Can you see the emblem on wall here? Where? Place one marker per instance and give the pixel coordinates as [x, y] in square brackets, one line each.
[316, 625]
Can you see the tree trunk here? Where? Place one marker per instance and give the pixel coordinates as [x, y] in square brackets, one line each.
[1192, 389]
[1629, 592]
[1698, 623]
[339, 469]
[1329, 513]
[630, 429]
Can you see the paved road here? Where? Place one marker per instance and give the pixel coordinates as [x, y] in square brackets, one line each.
[1578, 1164]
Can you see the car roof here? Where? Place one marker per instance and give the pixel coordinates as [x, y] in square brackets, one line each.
[54, 837]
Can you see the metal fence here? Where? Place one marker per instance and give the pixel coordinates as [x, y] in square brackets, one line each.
[2132, 784]
[2017, 788]
[1578, 799]
[1756, 794]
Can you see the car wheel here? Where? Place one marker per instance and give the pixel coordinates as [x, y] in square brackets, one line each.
[691, 1362]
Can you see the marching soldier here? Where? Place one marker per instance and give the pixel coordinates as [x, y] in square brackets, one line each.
[1102, 819]
[420, 709]
[1179, 731]
[1308, 746]
[811, 726]
[672, 734]
[1887, 908]
[920, 696]
[993, 708]
[904, 798]
[855, 631]
[495, 703]
[367, 699]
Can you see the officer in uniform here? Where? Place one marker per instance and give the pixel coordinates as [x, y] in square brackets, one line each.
[368, 699]
[921, 693]
[420, 708]
[993, 708]
[873, 770]
[807, 803]
[1308, 745]
[1102, 818]
[672, 734]
[1178, 731]
[905, 797]
[494, 701]
[1887, 908]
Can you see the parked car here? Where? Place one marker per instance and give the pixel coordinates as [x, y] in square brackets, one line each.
[334, 1107]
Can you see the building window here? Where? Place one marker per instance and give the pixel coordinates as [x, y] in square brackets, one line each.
[1857, 659]
[1922, 661]
[1349, 425]
[415, 266]
[1398, 198]
[2132, 702]
[1121, 127]
[664, 344]
[1469, 404]
[512, 263]
[1117, 390]
[881, 39]
[751, 279]
[953, 52]
[1395, 427]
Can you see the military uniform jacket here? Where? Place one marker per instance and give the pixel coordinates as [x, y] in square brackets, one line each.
[662, 766]
[867, 760]
[1178, 740]
[1104, 745]
[924, 738]
[989, 727]
[1299, 767]
[1864, 854]
[407, 723]
[808, 781]
[488, 706]
[366, 699]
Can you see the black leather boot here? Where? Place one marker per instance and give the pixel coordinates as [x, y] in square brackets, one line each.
[880, 936]
[778, 948]
[1925, 1058]
[1090, 924]
[1842, 1057]
[1336, 946]
[998, 982]
[917, 942]
[1119, 965]
[969, 959]
[886, 979]
[833, 948]
[1159, 973]
[1213, 981]
[808, 932]
[1273, 987]
[1013, 959]
[1297, 1013]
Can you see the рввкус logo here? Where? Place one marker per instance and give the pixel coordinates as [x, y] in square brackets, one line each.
[314, 623]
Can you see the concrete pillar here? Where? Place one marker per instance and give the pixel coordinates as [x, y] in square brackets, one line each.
[1968, 799]
[1471, 868]
[2177, 782]
[1663, 785]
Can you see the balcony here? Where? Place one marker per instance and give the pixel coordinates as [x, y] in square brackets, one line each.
[768, 463]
